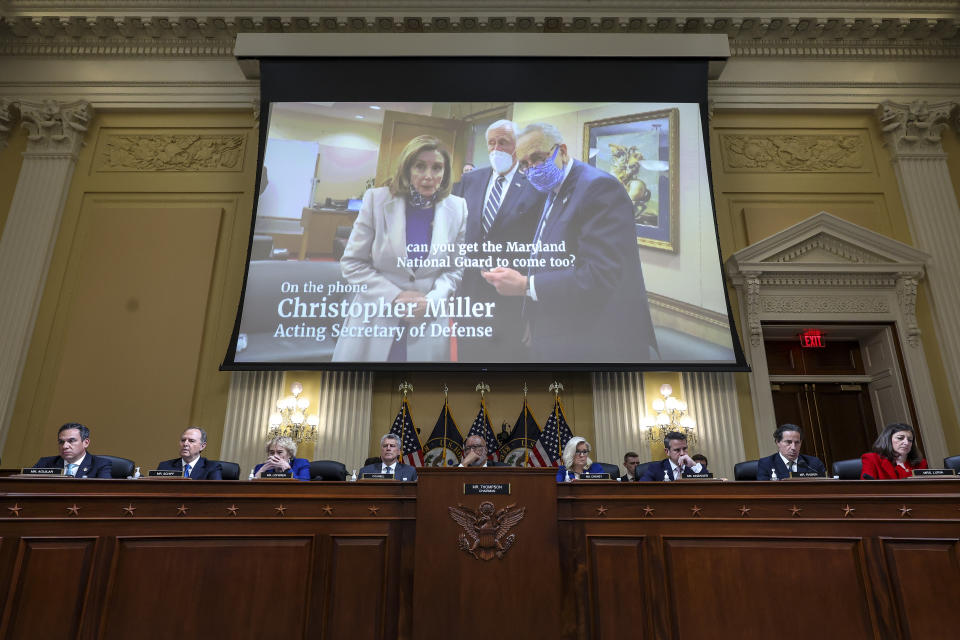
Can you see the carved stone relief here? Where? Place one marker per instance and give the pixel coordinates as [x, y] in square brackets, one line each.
[779, 153]
[824, 304]
[907, 297]
[55, 127]
[6, 117]
[914, 128]
[171, 152]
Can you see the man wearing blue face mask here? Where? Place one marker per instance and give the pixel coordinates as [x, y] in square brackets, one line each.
[586, 303]
[502, 206]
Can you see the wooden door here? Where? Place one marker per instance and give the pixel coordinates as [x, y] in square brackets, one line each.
[400, 128]
[837, 419]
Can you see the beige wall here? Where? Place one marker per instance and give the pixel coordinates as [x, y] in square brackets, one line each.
[147, 269]
[142, 289]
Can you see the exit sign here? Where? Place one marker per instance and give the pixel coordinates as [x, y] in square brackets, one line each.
[812, 339]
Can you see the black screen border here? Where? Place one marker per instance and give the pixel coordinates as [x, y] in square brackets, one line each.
[528, 79]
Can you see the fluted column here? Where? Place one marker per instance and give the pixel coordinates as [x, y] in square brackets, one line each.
[55, 136]
[253, 396]
[344, 408]
[712, 402]
[912, 133]
[617, 410]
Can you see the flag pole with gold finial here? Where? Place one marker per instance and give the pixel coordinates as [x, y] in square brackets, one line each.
[405, 388]
[557, 387]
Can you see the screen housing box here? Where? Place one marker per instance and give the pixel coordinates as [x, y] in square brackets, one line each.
[251, 47]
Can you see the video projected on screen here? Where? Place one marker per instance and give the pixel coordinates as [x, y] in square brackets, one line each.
[532, 234]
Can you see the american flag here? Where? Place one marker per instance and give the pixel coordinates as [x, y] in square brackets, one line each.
[481, 427]
[411, 451]
[547, 451]
[517, 451]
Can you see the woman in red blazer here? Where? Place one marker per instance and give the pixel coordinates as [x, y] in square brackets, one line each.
[894, 457]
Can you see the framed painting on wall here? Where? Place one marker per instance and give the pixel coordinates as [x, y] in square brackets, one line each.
[641, 151]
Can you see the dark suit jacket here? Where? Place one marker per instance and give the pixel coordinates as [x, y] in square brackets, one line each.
[401, 470]
[597, 309]
[654, 472]
[93, 467]
[516, 221]
[203, 470]
[775, 462]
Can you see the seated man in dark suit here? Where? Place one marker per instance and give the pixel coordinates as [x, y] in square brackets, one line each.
[390, 461]
[630, 461]
[190, 464]
[677, 463]
[789, 439]
[73, 439]
[475, 453]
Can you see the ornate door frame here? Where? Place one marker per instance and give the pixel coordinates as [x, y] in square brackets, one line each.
[827, 270]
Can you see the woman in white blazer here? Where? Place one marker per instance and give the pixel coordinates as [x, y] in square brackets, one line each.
[403, 248]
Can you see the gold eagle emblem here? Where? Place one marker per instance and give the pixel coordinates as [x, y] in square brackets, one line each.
[485, 531]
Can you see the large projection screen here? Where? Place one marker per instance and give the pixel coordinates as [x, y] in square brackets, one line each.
[602, 255]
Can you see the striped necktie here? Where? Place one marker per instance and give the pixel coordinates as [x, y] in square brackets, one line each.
[493, 205]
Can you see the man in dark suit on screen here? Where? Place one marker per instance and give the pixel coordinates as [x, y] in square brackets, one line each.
[789, 439]
[190, 463]
[73, 439]
[678, 464]
[390, 461]
[501, 207]
[583, 290]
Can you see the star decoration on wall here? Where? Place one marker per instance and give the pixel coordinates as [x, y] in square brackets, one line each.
[602, 510]
[905, 511]
[373, 509]
[795, 511]
[129, 509]
[182, 510]
[281, 510]
[15, 510]
[233, 509]
[327, 509]
[695, 511]
[648, 511]
[73, 510]
[847, 510]
[744, 510]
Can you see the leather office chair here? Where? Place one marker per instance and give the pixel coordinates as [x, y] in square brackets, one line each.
[373, 460]
[746, 470]
[848, 469]
[642, 468]
[612, 469]
[229, 470]
[120, 468]
[953, 462]
[328, 470]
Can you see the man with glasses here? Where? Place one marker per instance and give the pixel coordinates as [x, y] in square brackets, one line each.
[73, 439]
[586, 303]
[475, 454]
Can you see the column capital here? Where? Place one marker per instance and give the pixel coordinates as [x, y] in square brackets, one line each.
[914, 129]
[55, 128]
[6, 121]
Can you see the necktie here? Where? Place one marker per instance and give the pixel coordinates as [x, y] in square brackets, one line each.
[493, 205]
[71, 469]
[543, 220]
[186, 471]
[389, 469]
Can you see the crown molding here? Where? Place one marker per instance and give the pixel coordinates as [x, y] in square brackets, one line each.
[209, 29]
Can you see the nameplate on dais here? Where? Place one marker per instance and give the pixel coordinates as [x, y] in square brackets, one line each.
[934, 473]
[42, 471]
[376, 476]
[594, 476]
[164, 473]
[806, 474]
[697, 476]
[487, 488]
[276, 475]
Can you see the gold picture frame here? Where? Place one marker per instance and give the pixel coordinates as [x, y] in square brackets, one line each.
[642, 151]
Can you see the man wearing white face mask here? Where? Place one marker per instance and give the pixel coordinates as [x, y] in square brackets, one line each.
[502, 207]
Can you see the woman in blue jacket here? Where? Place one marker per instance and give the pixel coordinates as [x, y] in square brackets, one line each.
[281, 456]
[576, 460]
